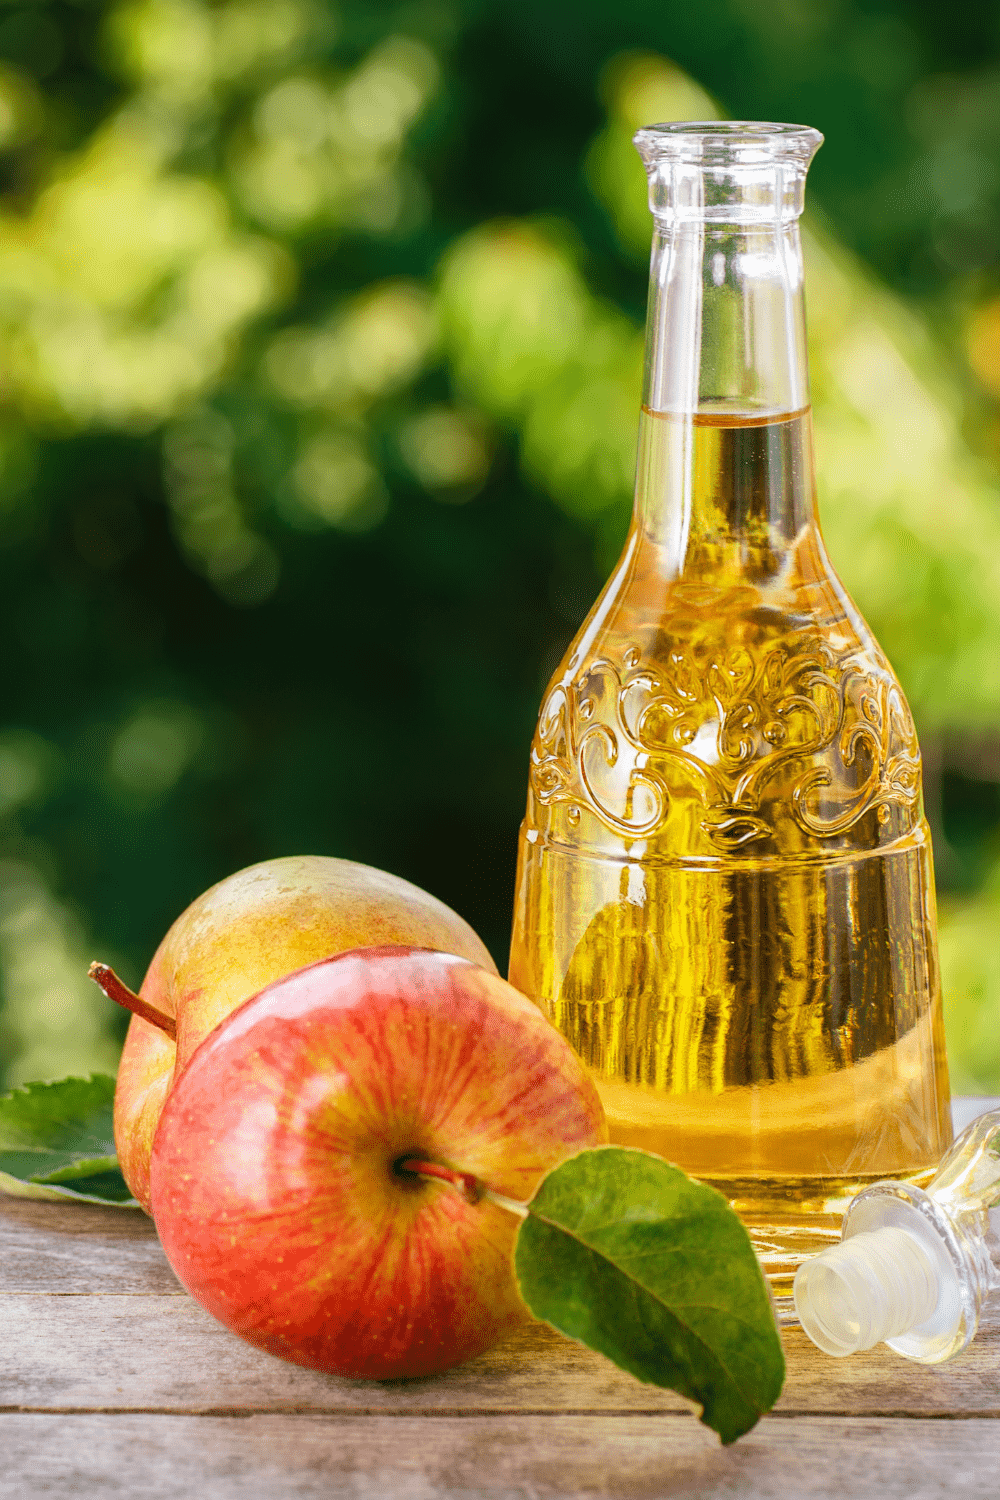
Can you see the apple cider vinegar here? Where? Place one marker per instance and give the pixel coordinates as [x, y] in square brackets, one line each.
[725, 897]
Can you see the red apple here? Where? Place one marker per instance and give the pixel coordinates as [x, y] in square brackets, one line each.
[277, 1181]
[247, 931]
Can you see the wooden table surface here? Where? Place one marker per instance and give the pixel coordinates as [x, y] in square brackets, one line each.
[114, 1382]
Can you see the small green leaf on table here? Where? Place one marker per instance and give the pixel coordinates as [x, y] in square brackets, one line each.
[57, 1142]
[628, 1255]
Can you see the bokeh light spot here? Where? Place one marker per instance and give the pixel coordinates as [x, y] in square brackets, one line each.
[152, 750]
[446, 450]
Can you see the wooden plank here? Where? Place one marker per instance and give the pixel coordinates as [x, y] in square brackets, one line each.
[499, 1458]
[78, 1248]
[965, 1109]
[167, 1354]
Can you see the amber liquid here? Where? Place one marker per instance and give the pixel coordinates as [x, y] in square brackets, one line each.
[725, 894]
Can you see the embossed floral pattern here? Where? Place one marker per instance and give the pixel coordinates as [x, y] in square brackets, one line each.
[793, 733]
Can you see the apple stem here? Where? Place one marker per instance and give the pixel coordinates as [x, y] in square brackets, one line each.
[466, 1184]
[512, 1205]
[470, 1187]
[105, 976]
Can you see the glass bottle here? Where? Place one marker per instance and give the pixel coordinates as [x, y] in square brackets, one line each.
[914, 1268]
[725, 898]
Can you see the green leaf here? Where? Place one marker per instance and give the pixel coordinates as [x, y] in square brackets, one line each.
[625, 1253]
[57, 1142]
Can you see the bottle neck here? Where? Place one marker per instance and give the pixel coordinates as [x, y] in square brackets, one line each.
[726, 323]
[725, 470]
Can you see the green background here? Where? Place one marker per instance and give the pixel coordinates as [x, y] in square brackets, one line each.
[320, 332]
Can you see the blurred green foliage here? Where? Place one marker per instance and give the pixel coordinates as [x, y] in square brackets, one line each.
[320, 339]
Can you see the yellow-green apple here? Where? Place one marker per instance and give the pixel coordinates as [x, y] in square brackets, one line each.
[247, 931]
[295, 1169]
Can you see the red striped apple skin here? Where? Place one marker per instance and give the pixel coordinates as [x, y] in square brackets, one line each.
[252, 928]
[274, 1185]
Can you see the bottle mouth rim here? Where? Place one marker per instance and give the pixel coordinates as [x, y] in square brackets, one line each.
[728, 142]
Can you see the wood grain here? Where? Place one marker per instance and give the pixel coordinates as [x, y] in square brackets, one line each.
[80, 1248]
[114, 1382]
[166, 1354]
[497, 1458]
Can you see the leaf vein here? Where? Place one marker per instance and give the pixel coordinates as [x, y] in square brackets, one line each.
[692, 1332]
